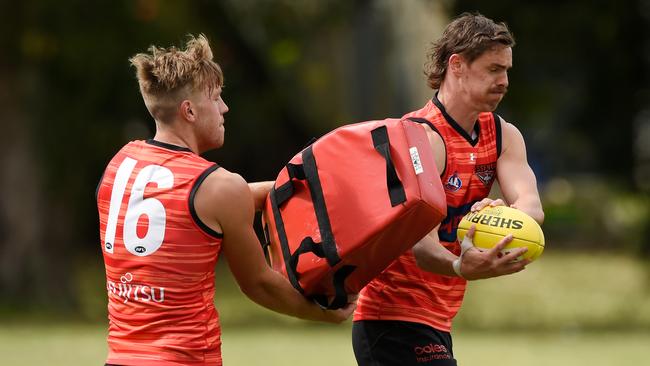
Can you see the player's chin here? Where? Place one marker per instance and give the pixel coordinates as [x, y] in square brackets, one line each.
[220, 136]
[489, 107]
[217, 142]
[492, 103]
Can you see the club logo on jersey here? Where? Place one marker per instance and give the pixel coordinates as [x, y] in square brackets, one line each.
[453, 183]
[485, 172]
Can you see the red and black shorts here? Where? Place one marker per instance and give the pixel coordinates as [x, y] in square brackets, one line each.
[393, 343]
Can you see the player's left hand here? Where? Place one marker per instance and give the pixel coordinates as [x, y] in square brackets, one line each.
[476, 263]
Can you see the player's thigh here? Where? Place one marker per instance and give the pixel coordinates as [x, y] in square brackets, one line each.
[388, 343]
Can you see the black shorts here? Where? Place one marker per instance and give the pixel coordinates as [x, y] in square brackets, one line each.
[398, 343]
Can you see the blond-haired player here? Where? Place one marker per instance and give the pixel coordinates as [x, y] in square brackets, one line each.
[166, 214]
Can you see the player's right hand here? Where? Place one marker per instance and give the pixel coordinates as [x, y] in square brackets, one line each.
[479, 263]
[342, 314]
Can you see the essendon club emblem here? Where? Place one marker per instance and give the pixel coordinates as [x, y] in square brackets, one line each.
[485, 172]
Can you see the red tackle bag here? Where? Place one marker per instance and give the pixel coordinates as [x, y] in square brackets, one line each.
[349, 204]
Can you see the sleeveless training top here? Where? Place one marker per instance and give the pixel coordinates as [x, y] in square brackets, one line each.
[404, 291]
[159, 258]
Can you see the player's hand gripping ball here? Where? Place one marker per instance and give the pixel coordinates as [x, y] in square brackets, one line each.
[494, 223]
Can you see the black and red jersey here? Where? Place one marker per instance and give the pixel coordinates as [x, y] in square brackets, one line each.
[404, 291]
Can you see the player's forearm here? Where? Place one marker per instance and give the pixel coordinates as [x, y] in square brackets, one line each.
[432, 257]
[274, 292]
[531, 206]
[259, 191]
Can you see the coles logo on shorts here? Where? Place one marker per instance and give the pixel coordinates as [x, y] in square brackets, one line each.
[430, 352]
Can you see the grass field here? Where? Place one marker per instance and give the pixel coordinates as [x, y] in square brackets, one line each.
[566, 309]
[77, 345]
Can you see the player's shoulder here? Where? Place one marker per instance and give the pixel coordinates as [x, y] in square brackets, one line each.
[511, 136]
[437, 143]
[433, 134]
[224, 183]
[507, 127]
[222, 196]
[222, 193]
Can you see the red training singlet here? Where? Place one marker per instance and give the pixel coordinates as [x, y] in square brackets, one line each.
[404, 291]
[159, 258]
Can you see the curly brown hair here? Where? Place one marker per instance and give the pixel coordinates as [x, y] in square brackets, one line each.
[469, 35]
[167, 75]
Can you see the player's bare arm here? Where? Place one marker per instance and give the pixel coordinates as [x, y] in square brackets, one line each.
[438, 148]
[516, 179]
[225, 203]
[260, 190]
[432, 256]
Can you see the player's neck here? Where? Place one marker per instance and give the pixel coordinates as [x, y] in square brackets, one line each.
[458, 109]
[173, 137]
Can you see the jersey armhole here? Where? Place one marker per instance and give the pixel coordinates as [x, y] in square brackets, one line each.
[99, 184]
[195, 216]
[428, 123]
[497, 129]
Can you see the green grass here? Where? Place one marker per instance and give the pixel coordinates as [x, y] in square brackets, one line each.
[31, 345]
[72, 345]
[557, 349]
[563, 290]
[565, 309]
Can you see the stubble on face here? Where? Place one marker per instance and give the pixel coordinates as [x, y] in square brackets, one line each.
[488, 79]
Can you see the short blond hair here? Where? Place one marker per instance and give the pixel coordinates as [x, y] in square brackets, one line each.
[167, 75]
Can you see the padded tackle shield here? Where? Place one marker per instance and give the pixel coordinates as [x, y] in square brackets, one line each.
[349, 204]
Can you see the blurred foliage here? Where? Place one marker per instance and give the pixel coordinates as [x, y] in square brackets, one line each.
[294, 70]
[561, 291]
[585, 212]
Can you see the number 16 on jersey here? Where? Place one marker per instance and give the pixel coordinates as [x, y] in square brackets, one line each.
[137, 207]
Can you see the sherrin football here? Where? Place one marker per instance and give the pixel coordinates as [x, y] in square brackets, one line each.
[494, 223]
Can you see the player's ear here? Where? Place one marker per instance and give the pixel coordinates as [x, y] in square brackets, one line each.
[455, 63]
[187, 110]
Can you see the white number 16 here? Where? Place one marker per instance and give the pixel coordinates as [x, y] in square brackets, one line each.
[138, 206]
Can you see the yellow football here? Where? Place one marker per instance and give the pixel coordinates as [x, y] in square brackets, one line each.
[494, 223]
